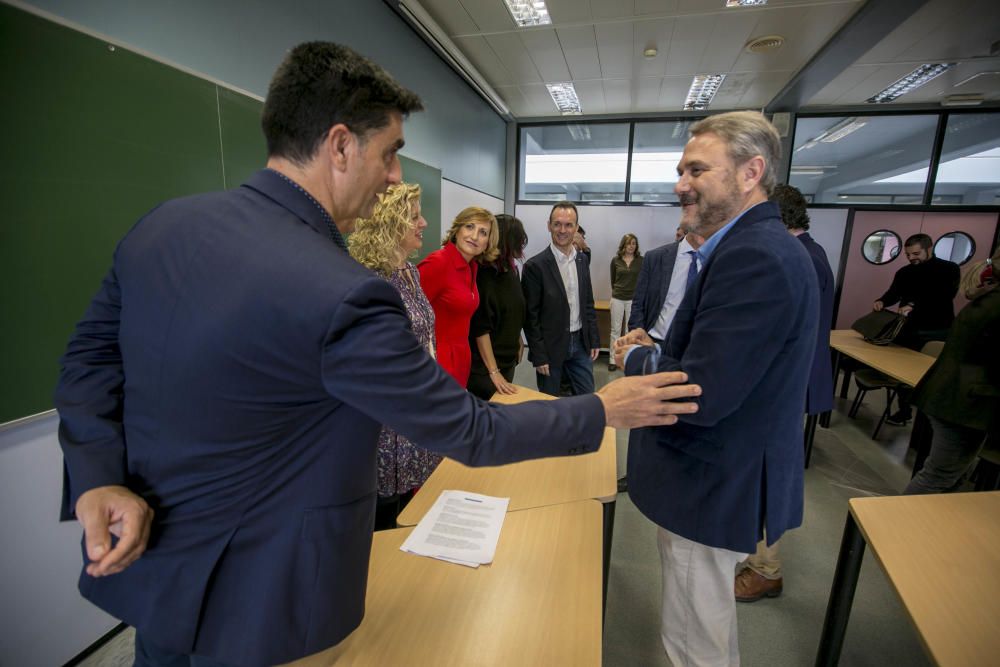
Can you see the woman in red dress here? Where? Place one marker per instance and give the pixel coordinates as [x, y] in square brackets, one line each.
[448, 278]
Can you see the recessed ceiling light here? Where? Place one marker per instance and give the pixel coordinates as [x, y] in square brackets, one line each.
[703, 90]
[528, 12]
[745, 3]
[835, 133]
[911, 81]
[650, 52]
[564, 95]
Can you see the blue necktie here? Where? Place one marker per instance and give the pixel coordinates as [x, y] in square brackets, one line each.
[693, 268]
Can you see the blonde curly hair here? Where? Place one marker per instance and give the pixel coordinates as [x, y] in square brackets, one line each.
[477, 214]
[376, 241]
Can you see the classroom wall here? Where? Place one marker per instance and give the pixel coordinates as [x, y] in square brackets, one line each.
[455, 197]
[241, 42]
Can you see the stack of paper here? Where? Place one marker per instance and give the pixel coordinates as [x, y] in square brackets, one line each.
[461, 528]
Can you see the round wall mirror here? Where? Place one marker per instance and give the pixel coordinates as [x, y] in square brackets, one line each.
[956, 247]
[881, 247]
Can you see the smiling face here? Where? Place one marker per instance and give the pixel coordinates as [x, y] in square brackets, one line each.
[472, 238]
[563, 227]
[708, 187]
[917, 254]
[414, 239]
[630, 246]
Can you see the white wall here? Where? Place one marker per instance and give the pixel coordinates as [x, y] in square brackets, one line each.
[43, 619]
[605, 226]
[827, 227]
[455, 197]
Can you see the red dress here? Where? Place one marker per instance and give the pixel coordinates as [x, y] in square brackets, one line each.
[450, 285]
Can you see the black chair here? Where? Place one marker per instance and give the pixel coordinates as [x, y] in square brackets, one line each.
[869, 379]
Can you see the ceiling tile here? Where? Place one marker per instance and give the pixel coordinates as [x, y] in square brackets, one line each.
[451, 16]
[690, 38]
[618, 95]
[481, 55]
[647, 94]
[514, 99]
[615, 48]
[538, 100]
[729, 33]
[512, 53]
[567, 11]
[646, 7]
[579, 46]
[673, 91]
[545, 51]
[843, 84]
[489, 15]
[611, 9]
[654, 33]
[591, 94]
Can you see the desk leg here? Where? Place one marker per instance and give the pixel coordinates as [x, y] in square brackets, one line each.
[838, 610]
[609, 529]
[824, 419]
[920, 441]
[810, 435]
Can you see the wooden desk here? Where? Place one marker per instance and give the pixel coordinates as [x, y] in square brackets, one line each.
[538, 603]
[942, 555]
[528, 484]
[899, 363]
[531, 484]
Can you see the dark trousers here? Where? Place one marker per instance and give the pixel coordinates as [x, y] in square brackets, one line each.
[578, 368]
[148, 654]
[954, 449]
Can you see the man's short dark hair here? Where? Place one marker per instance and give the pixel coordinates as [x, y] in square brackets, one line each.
[321, 84]
[921, 240]
[793, 206]
[566, 205]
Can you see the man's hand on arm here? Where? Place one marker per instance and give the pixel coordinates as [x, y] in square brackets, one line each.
[647, 400]
[108, 510]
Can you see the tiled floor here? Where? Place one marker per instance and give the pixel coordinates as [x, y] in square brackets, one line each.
[775, 632]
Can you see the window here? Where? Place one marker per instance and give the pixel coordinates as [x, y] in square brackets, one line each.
[656, 150]
[969, 170]
[578, 162]
[863, 159]
[956, 247]
[881, 247]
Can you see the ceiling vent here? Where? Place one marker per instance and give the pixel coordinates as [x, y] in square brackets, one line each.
[765, 44]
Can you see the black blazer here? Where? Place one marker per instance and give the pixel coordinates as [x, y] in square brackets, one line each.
[963, 385]
[546, 324]
[651, 290]
[819, 396]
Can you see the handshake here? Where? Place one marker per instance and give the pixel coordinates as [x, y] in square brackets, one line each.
[627, 342]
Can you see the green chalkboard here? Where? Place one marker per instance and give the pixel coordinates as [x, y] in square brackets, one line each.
[94, 137]
[429, 179]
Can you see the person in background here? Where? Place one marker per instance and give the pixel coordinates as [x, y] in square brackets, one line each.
[580, 241]
[495, 331]
[679, 233]
[761, 573]
[925, 290]
[383, 243]
[960, 394]
[448, 277]
[625, 267]
[560, 321]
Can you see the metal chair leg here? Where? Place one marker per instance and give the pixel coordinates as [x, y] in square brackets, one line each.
[889, 395]
[857, 403]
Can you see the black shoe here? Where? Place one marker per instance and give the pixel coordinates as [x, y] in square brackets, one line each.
[612, 367]
[623, 485]
[900, 418]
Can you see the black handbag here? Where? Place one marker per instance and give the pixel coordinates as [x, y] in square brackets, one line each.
[879, 327]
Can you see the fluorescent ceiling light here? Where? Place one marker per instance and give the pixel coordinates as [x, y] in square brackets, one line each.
[818, 170]
[911, 81]
[745, 3]
[703, 90]
[564, 95]
[579, 132]
[835, 133]
[528, 12]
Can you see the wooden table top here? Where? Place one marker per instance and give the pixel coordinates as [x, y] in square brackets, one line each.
[942, 554]
[899, 363]
[528, 484]
[538, 603]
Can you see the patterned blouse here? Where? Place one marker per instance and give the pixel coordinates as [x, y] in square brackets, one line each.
[402, 465]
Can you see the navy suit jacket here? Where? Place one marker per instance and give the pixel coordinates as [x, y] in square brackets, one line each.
[233, 370]
[546, 321]
[651, 288]
[819, 396]
[745, 332]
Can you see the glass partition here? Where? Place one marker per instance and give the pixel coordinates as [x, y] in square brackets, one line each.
[863, 159]
[969, 170]
[656, 150]
[583, 162]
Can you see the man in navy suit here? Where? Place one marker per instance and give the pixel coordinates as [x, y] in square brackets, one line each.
[762, 575]
[745, 331]
[560, 322]
[221, 398]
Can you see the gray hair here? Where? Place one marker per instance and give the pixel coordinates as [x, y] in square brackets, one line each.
[747, 134]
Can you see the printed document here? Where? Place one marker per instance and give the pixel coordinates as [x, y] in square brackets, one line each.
[460, 527]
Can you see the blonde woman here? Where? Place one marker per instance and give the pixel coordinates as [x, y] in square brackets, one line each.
[383, 243]
[448, 277]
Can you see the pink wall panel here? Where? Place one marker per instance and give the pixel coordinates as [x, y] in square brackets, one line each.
[864, 282]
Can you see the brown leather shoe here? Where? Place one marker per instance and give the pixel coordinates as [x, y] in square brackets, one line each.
[751, 586]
